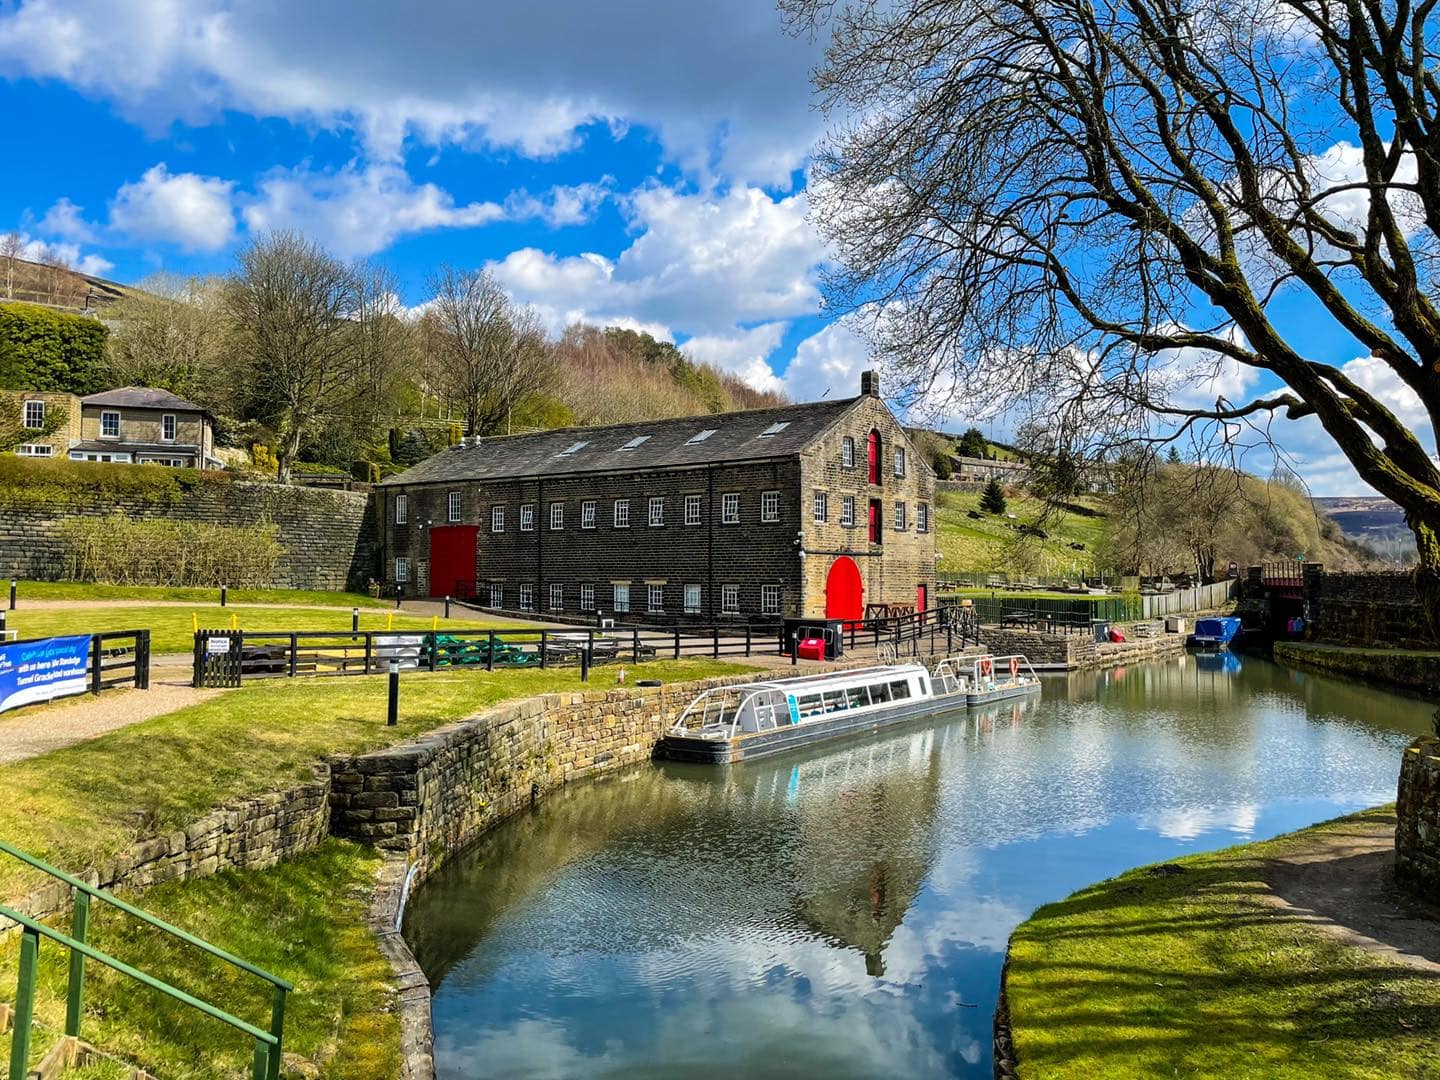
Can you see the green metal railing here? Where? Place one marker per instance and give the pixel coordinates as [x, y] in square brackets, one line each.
[268, 1044]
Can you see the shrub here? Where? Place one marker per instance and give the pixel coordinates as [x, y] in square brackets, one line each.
[47, 350]
[29, 482]
[119, 550]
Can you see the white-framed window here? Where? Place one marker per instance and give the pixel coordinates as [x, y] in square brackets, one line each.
[557, 597]
[171, 462]
[527, 517]
[35, 449]
[402, 509]
[692, 599]
[899, 461]
[620, 597]
[730, 508]
[92, 455]
[402, 571]
[820, 507]
[622, 515]
[35, 413]
[587, 597]
[587, 514]
[770, 507]
[109, 425]
[847, 510]
[497, 594]
[769, 599]
[452, 506]
[692, 510]
[922, 517]
[730, 599]
[847, 453]
[899, 517]
[655, 599]
[557, 516]
[657, 511]
[497, 519]
[527, 597]
[167, 427]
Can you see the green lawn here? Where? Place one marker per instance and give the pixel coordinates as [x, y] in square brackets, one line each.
[986, 545]
[171, 627]
[1193, 974]
[80, 590]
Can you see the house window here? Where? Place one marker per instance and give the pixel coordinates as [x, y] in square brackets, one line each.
[587, 597]
[497, 519]
[587, 514]
[497, 594]
[557, 597]
[770, 506]
[402, 509]
[730, 599]
[922, 517]
[692, 509]
[872, 455]
[899, 517]
[875, 521]
[899, 461]
[821, 507]
[657, 511]
[527, 517]
[35, 449]
[109, 425]
[769, 599]
[402, 571]
[452, 506]
[692, 599]
[622, 513]
[730, 509]
[847, 453]
[167, 427]
[527, 597]
[620, 597]
[35, 413]
[557, 516]
[655, 599]
[847, 510]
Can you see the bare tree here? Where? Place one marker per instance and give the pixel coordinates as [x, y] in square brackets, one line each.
[12, 245]
[385, 342]
[486, 355]
[1089, 200]
[292, 307]
[170, 332]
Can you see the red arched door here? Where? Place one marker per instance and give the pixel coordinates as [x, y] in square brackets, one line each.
[844, 591]
[872, 451]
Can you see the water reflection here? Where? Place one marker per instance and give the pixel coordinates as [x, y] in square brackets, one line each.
[843, 911]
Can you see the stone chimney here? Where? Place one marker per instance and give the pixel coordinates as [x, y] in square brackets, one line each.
[870, 383]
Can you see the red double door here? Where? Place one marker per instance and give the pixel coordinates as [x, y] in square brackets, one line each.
[452, 560]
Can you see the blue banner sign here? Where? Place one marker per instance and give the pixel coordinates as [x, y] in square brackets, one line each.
[32, 671]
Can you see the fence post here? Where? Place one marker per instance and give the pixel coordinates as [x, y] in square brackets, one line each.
[392, 704]
[747, 639]
[715, 631]
[277, 1028]
[142, 660]
[490, 653]
[24, 1005]
[585, 663]
[635, 644]
[432, 641]
[260, 1068]
[95, 663]
[354, 622]
[224, 595]
[543, 636]
[677, 643]
[447, 607]
[197, 678]
[369, 641]
[13, 585]
[75, 993]
[294, 648]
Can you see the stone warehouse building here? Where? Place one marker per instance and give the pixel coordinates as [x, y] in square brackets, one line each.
[817, 509]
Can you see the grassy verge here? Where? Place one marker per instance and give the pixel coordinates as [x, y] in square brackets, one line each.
[983, 544]
[171, 628]
[304, 920]
[87, 803]
[80, 590]
[1194, 974]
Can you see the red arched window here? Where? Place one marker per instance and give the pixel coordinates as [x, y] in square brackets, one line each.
[872, 450]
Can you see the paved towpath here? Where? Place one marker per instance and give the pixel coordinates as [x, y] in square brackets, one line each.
[34, 731]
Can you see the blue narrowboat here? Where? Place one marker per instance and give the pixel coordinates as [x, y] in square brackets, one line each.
[1215, 633]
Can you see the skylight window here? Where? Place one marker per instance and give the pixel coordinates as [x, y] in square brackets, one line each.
[574, 448]
[699, 437]
[635, 442]
[774, 429]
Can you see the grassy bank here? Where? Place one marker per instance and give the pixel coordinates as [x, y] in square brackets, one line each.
[1195, 974]
[82, 590]
[985, 543]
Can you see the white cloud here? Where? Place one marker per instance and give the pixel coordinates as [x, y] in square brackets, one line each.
[186, 209]
[562, 205]
[828, 363]
[746, 353]
[67, 220]
[35, 249]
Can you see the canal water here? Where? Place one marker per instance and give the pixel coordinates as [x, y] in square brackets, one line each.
[843, 911]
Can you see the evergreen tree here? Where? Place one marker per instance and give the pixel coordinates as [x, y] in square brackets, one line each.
[992, 499]
[1174, 456]
[972, 443]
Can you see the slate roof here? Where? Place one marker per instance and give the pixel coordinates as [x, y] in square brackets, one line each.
[121, 446]
[141, 397]
[737, 437]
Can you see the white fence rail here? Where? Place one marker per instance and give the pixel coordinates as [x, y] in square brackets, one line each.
[1199, 598]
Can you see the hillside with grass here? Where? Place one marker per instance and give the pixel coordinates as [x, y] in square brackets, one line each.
[971, 541]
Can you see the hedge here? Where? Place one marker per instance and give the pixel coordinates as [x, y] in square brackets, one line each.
[118, 550]
[59, 482]
[50, 351]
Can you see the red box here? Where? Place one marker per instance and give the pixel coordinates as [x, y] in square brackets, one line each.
[811, 648]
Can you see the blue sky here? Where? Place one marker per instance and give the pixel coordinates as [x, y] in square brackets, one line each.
[639, 162]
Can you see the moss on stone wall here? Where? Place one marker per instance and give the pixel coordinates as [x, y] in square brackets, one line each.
[1407, 669]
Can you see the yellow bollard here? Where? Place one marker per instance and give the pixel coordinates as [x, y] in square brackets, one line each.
[194, 622]
[234, 621]
[434, 622]
[390, 620]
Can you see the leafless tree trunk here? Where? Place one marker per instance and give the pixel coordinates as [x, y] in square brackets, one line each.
[171, 333]
[11, 245]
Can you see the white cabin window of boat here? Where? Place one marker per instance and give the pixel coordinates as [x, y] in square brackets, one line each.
[900, 690]
[809, 705]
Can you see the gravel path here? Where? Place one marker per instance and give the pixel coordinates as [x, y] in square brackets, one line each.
[37, 731]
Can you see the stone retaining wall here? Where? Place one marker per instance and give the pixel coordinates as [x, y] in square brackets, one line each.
[1416, 672]
[1417, 813]
[1370, 609]
[1068, 651]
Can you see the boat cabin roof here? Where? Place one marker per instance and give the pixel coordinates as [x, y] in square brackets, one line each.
[832, 680]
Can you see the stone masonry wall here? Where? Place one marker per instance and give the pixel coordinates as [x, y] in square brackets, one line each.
[1041, 649]
[326, 534]
[1417, 812]
[1367, 610]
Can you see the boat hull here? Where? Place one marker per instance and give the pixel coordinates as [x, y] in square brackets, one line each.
[1002, 693]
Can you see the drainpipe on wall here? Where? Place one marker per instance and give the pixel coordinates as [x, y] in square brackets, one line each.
[710, 540]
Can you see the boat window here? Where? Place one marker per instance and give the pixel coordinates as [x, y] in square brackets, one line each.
[834, 700]
[924, 687]
[900, 690]
[808, 705]
[859, 697]
[880, 692]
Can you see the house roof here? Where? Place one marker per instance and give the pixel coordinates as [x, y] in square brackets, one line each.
[121, 446]
[141, 397]
[750, 435]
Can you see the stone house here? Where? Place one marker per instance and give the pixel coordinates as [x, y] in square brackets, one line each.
[814, 509]
[132, 425]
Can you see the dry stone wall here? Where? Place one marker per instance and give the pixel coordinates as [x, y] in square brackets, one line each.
[1366, 609]
[1417, 813]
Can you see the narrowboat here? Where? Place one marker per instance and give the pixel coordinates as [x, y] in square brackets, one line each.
[751, 720]
[1214, 633]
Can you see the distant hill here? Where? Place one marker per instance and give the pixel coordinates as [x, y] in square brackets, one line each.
[57, 286]
[1374, 521]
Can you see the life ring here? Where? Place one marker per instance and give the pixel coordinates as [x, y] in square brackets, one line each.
[1014, 665]
[985, 667]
